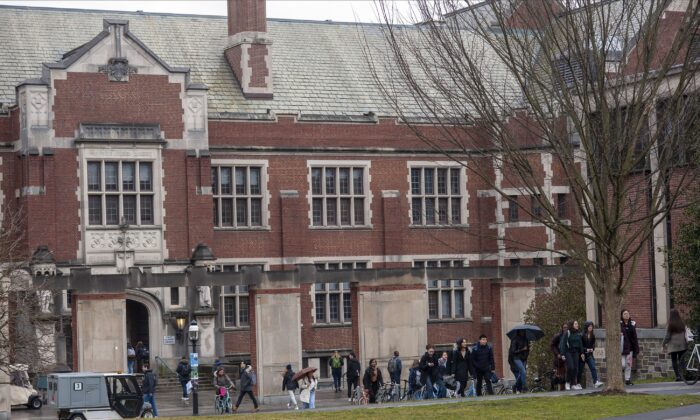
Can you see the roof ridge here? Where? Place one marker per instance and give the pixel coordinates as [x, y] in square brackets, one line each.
[142, 13]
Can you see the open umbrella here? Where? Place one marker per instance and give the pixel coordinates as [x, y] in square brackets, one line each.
[532, 332]
[303, 373]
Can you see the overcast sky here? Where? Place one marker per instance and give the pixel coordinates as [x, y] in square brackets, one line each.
[337, 10]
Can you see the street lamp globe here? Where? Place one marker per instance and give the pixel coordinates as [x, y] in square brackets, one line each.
[194, 331]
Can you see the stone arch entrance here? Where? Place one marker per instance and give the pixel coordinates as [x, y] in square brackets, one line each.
[144, 321]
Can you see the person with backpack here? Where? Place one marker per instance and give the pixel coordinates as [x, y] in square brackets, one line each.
[290, 385]
[394, 367]
[461, 364]
[248, 380]
[518, 352]
[483, 364]
[414, 381]
[353, 374]
[675, 342]
[183, 375]
[336, 364]
[629, 345]
[148, 388]
[143, 356]
[588, 339]
[130, 358]
[571, 348]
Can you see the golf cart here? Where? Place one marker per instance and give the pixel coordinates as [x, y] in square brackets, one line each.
[21, 390]
[87, 396]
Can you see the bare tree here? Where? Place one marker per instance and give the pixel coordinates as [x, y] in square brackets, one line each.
[27, 325]
[604, 90]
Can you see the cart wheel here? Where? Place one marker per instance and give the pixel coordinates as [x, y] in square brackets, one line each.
[35, 403]
[147, 414]
[77, 417]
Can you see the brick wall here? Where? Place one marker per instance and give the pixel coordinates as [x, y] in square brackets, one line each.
[92, 98]
[9, 125]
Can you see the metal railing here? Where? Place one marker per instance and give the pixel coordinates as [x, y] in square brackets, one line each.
[162, 367]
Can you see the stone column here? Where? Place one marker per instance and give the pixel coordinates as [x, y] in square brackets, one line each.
[100, 332]
[277, 333]
[392, 315]
[207, 334]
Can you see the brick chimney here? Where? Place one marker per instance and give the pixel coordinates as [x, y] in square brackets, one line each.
[248, 50]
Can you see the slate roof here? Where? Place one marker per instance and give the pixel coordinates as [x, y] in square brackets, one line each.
[318, 67]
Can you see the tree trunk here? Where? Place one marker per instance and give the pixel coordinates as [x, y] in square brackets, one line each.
[611, 312]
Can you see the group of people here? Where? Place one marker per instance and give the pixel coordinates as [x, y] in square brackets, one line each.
[573, 350]
[137, 356]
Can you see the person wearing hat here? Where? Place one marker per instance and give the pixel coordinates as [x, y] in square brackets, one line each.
[290, 385]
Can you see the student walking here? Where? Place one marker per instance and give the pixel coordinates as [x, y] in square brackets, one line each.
[571, 348]
[290, 385]
[588, 340]
[483, 364]
[429, 371]
[559, 363]
[336, 364]
[394, 367]
[148, 387]
[373, 380]
[629, 345]
[183, 375]
[675, 342]
[460, 364]
[248, 379]
[308, 391]
[130, 357]
[353, 374]
[517, 358]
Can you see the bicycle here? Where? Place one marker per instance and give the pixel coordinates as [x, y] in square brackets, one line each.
[539, 382]
[501, 388]
[223, 404]
[359, 397]
[385, 393]
[690, 362]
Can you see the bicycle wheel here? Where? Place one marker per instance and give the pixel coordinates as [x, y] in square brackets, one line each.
[690, 366]
[219, 405]
[537, 388]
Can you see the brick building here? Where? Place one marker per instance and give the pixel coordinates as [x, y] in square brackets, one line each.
[130, 138]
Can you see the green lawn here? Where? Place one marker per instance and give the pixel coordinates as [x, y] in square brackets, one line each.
[573, 407]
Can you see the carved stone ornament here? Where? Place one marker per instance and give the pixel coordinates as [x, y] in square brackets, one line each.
[118, 69]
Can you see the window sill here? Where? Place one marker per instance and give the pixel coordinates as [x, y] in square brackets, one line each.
[333, 325]
[449, 320]
[363, 227]
[234, 329]
[246, 228]
[130, 227]
[460, 226]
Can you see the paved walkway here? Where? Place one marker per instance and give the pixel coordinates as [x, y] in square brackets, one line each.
[170, 404]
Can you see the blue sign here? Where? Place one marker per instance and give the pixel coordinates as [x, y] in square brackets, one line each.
[194, 364]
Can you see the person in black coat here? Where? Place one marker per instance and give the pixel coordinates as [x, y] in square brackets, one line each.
[430, 370]
[183, 374]
[461, 365]
[630, 344]
[353, 373]
[290, 385]
[559, 363]
[517, 358]
[373, 380]
[483, 364]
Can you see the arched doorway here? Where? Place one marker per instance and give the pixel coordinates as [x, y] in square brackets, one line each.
[137, 323]
[144, 321]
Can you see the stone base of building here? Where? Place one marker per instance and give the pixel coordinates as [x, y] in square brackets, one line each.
[652, 362]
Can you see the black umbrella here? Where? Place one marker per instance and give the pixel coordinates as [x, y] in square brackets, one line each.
[532, 332]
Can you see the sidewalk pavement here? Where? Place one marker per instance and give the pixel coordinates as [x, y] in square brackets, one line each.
[170, 403]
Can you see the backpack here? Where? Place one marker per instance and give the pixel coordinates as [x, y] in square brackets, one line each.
[253, 378]
[393, 365]
[145, 355]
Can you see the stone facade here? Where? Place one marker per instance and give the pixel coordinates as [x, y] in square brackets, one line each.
[652, 362]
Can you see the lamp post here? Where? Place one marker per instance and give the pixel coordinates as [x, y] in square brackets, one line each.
[194, 364]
